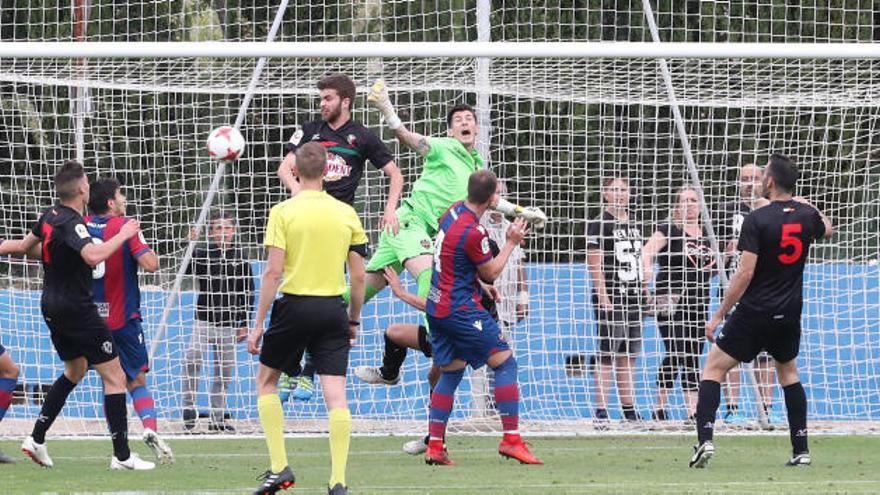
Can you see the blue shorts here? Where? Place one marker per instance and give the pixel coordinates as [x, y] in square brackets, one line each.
[470, 335]
[132, 349]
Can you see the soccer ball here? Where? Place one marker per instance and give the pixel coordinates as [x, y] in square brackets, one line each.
[225, 143]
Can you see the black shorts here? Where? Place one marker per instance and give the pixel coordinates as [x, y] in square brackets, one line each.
[80, 334]
[425, 341]
[619, 332]
[307, 323]
[746, 334]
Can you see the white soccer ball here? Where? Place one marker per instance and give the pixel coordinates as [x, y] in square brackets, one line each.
[225, 143]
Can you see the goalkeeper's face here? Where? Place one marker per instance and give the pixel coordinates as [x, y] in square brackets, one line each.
[331, 106]
[463, 126]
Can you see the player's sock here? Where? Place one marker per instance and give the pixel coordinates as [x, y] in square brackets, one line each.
[52, 404]
[340, 437]
[601, 413]
[369, 292]
[117, 419]
[7, 385]
[796, 404]
[507, 397]
[629, 412]
[707, 406]
[144, 406]
[392, 359]
[441, 403]
[730, 409]
[272, 421]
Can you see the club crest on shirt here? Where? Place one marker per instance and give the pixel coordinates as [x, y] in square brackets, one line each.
[337, 168]
[426, 243]
[107, 347]
[352, 140]
[484, 245]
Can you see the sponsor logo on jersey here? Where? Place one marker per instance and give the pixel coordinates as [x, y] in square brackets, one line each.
[81, 231]
[297, 137]
[337, 168]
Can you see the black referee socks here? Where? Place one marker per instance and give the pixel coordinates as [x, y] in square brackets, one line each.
[52, 404]
[117, 420]
[707, 406]
[796, 404]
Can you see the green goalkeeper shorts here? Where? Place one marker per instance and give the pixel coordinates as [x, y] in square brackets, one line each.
[413, 239]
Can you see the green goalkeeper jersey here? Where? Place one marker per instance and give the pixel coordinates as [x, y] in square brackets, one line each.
[444, 179]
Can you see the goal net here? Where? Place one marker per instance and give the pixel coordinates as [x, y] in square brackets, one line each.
[553, 129]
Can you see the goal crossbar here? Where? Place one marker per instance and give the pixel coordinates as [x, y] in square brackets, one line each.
[439, 50]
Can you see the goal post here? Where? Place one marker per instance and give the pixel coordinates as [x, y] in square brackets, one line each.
[564, 116]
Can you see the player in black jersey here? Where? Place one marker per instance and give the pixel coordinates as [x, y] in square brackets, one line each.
[349, 145]
[768, 287]
[614, 252]
[729, 224]
[681, 297]
[80, 335]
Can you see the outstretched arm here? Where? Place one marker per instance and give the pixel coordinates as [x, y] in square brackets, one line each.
[378, 98]
[420, 303]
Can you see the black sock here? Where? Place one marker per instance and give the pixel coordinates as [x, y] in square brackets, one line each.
[601, 413]
[658, 415]
[52, 405]
[117, 420]
[629, 412]
[731, 408]
[796, 404]
[308, 370]
[392, 359]
[707, 406]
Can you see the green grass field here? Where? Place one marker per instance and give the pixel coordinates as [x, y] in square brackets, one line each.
[642, 464]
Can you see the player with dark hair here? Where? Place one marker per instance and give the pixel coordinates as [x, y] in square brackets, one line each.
[614, 251]
[309, 238]
[80, 336]
[767, 291]
[681, 296]
[349, 145]
[449, 163]
[731, 218]
[118, 296]
[462, 331]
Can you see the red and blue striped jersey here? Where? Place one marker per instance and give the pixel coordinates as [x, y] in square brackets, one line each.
[114, 281]
[461, 246]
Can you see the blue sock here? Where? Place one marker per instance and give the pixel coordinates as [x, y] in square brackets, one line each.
[441, 403]
[145, 407]
[7, 386]
[507, 396]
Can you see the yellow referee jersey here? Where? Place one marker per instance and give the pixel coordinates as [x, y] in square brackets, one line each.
[315, 231]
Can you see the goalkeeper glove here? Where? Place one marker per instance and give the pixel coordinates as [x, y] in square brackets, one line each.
[378, 99]
[532, 214]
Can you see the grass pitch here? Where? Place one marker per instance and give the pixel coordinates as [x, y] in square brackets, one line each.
[632, 464]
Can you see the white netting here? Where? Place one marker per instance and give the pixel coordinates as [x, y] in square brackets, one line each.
[558, 129]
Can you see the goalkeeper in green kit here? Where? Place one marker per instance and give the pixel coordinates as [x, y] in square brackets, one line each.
[449, 162]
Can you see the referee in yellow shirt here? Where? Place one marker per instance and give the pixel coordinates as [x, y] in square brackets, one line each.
[308, 237]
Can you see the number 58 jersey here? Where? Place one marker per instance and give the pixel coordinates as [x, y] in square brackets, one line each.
[620, 242]
[781, 234]
[114, 281]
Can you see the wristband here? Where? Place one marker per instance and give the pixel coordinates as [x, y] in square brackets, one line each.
[523, 297]
[393, 121]
[354, 323]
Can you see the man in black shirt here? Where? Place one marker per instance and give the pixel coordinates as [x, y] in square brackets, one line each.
[614, 251]
[80, 336]
[768, 286]
[226, 287]
[349, 145]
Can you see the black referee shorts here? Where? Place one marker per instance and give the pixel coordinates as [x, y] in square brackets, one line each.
[82, 333]
[307, 323]
[746, 334]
